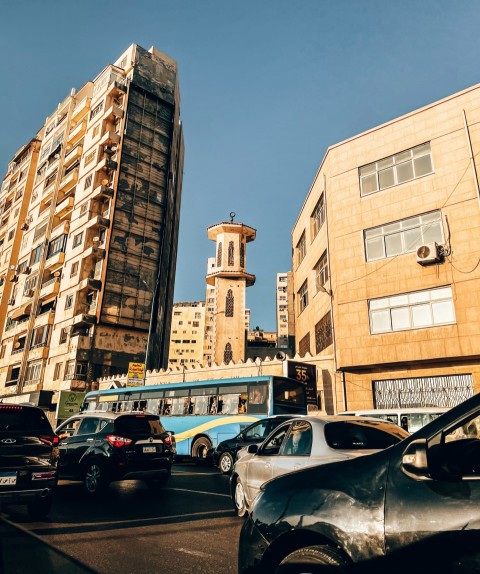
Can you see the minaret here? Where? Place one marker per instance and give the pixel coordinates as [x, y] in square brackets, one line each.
[230, 280]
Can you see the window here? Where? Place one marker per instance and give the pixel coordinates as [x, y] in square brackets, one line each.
[304, 345]
[229, 304]
[415, 310]
[301, 249]
[36, 254]
[230, 253]
[299, 441]
[321, 272]
[403, 236]
[88, 181]
[227, 354]
[32, 374]
[303, 297]
[40, 336]
[56, 371]
[63, 335]
[74, 370]
[74, 269]
[396, 169]
[77, 240]
[323, 333]
[219, 255]
[57, 245]
[242, 255]
[96, 110]
[318, 216]
[69, 301]
[95, 131]
[89, 157]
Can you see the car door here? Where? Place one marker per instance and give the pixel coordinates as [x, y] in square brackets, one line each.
[65, 432]
[295, 451]
[76, 445]
[260, 466]
[438, 515]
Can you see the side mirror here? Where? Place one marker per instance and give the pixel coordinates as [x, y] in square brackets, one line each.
[414, 459]
[241, 436]
[252, 448]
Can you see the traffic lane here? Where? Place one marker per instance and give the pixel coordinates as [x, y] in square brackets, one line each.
[189, 526]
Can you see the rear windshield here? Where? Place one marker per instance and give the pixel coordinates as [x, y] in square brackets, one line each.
[363, 434]
[139, 424]
[17, 418]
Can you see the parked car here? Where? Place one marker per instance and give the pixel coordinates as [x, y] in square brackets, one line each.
[409, 418]
[412, 507]
[28, 451]
[306, 441]
[225, 455]
[103, 447]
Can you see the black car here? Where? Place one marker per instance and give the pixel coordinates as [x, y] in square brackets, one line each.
[28, 451]
[103, 447]
[414, 507]
[225, 455]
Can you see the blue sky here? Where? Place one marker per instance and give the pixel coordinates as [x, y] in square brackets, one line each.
[266, 87]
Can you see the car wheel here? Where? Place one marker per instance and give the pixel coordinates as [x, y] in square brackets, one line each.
[306, 560]
[239, 498]
[200, 449]
[38, 509]
[95, 478]
[156, 483]
[225, 463]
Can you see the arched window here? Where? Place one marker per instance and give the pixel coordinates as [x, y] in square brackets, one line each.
[242, 254]
[227, 354]
[219, 255]
[229, 303]
[230, 253]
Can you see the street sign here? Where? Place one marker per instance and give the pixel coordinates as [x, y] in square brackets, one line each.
[136, 374]
[306, 373]
[69, 403]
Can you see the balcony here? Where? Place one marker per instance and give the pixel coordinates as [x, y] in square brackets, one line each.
[102, 191]
[72, 155]
[83, 320]
[81, 109]
[60, 228]
[73, 385]
[50, 289]
[95, 252]
[109, 138]
[78, 132]
[90, 283]
[98, 221]
[114, 112]
[116, 88]
[69, 180]
[107, 164]
[65, 207]
[39, 351]
[55, 261]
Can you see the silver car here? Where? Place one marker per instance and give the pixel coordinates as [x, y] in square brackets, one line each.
[306, 441]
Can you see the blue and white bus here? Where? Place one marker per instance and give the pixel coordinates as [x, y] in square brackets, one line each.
[203, 413]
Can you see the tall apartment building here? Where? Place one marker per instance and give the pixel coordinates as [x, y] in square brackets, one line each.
[187, 333]
[89, 231]
[386, 260]
[284, 325]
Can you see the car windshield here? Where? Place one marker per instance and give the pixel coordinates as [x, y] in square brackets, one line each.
[18, 418]
[355, 434]
[139, 424]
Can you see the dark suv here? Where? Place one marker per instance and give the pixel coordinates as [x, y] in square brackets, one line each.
[100, 448]
[413, 507]
[28, 451]
[226, 452]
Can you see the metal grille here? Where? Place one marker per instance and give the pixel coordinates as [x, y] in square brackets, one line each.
[441, 391]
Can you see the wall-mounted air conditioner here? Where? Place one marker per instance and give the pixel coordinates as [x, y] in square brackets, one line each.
[428, 253]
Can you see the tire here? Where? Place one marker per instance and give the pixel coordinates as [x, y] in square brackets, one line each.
[200, 448]
[239, 498]
[313, 560]
[95, 477]
[225, 462]
[38, 509]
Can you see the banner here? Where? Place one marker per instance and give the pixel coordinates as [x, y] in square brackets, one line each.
[306, 373]
[136, 374]
[69, 403]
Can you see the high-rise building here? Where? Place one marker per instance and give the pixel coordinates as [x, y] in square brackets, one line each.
[88, 237]
[282, 309]
[187, 334]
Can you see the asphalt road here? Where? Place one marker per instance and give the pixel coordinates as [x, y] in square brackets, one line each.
[188, 527]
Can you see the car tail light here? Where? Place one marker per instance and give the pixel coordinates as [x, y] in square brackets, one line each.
[43, 475]
[118, 441]
[167, 439]
[49, 439]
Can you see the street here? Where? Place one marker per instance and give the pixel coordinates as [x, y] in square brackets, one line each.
[188, 527]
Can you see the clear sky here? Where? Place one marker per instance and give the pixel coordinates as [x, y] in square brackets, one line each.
[266, 87]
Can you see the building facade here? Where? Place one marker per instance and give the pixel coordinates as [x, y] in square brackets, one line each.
[386, 260]
[187, 334]
[91, 263]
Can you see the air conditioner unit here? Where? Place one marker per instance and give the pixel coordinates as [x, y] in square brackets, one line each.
[28, 293]
[14, 278]
[428, 253]
[27, 270]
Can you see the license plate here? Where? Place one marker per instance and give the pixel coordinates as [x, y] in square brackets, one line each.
[8, 478]
[149, 449]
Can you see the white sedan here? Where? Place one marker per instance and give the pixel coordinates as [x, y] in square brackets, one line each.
[306, 441]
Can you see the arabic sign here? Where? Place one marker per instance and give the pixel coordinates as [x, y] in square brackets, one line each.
[136, 374]
[306, 373]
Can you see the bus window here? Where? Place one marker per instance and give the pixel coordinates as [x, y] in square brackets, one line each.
[178, 406]
[228, 404]
[166, 407]
[201, 405]
[258, 399]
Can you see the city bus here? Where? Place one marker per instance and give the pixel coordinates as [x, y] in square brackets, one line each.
[203, 413]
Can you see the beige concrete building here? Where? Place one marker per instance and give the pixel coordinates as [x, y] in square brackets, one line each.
[227, 280]
[187, 334]
[386, 260]
[88, 246]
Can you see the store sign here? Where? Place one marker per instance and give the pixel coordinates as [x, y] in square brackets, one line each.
[136, 374]
[69, 403]
[306, 373]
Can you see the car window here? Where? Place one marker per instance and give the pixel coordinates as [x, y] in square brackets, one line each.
[461, 448]
[256, 431]
[274, 443]
[18, 418]
[299, 440]
[69, 428]
[352, 435]
[87, 426]
[139, 424]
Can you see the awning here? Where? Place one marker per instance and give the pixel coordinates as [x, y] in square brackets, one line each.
[21, 311]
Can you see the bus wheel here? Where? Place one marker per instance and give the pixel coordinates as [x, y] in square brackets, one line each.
[200, 449]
